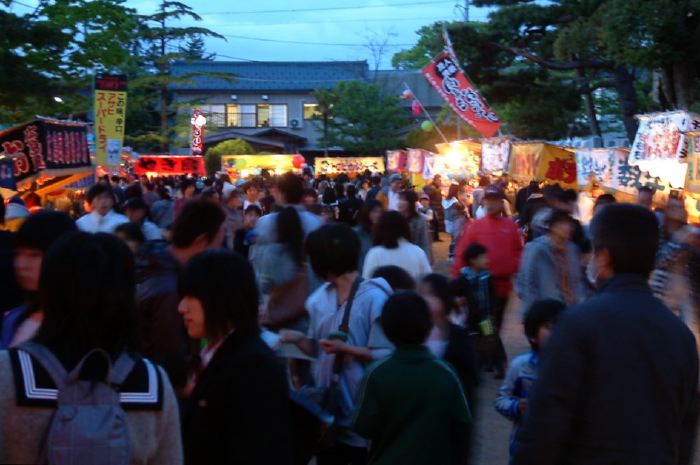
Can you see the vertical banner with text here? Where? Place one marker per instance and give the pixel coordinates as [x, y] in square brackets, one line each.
[110, 118]
[198, 122]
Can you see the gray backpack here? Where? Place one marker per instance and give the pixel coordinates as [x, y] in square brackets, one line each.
[89, 425]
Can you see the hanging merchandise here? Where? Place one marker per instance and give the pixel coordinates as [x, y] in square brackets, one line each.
[396, 159]
[495, 155]
[415, 160]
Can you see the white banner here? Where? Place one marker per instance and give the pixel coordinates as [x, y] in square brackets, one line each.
[495, 155]
[596, 164]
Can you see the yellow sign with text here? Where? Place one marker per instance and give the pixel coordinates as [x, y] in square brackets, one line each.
[110, 118]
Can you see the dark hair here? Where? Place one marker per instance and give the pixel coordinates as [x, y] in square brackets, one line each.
[132, 232]
[197, 218]
[291, 187]
[376, 180]
[558, 216]
[412, 198]
[250, 185]
[473, 251]
[42, 229]
[187, 183]
[133, 191]
[630, 234]
[97, 190]
[351, 191]
[291, 234]
[647, 189]
[406, 319]
[2, 210]
[339, 189]
[204, 278]
[329, 197]
[540, 313]
[333, 249]
[440, 287]
[87, 292]
[452, 192]
[363, 217]
[397, 277]
[253, 209]
[484, 181]
[163, 193]
[570, 195]
[311, 193]
[604, 199]
[391, 227]
[551, 191]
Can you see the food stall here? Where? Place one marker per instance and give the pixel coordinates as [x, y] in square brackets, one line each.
[244, 166]
[169, 165]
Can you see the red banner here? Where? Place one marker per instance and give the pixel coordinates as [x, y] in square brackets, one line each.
[198, 121]
[170, 165]
[448, 79]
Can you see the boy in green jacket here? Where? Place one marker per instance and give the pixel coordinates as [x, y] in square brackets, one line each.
[411, 405]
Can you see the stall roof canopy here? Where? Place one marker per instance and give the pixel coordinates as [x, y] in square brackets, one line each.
[268, 76]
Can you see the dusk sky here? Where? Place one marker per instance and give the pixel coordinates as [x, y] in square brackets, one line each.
[353, 23]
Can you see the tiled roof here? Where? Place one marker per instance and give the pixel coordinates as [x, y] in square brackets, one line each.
[270, 76]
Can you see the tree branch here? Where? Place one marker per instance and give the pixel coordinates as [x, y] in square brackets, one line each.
[554, 65]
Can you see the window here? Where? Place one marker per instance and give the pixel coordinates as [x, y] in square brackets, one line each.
[215, 114]
[240, 116]
[256, 116]
[311, 111]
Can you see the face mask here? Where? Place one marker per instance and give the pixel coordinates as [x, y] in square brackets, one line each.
[592, 272]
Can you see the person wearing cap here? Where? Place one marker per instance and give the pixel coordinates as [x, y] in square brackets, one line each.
[15, 214]
[427, 212]
[136, 211]
[101, 218]
[501, 238]
[389, 197]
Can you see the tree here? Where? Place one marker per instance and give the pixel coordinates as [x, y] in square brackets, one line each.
[326, 100]
[227, 147]
[160, 42]
[194, 50]
[55, 50]
[363, 119]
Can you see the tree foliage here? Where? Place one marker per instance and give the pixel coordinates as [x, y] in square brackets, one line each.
[362, 118]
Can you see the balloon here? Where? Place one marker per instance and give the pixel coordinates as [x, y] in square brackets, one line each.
[241, 163]
[427, 126]
[407, 95]
[298, 161]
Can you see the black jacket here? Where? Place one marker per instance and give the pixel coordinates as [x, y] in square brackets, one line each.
[238, 412]
[162, 332]
[617, 384]
[461, 354]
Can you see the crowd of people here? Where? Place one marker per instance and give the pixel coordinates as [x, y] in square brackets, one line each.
[283, 318]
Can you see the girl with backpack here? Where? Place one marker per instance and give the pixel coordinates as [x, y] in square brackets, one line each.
[78, 392]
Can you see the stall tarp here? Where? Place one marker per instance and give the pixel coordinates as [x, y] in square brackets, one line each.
[557, 165]
[495, 155]
[396, 160]
[524, 159]
[416, 159]
[48, 146]
[245, 164]
[170, 165]
[596, 164]
[629, 178]
[661, 137]
[349, 165]
[693, 181]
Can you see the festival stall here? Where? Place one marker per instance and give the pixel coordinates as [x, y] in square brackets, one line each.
[543, 162]
[495, 155]
[169, 165]
[352, 166]
[455, 160]
[243, 166]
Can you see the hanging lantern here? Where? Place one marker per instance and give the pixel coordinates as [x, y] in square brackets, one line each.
[298, 161]
[407, 95]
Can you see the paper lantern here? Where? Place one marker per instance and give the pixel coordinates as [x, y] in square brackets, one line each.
[416, 108]
[427, 126]
[241, 163]
[407, 95]
[298, 161]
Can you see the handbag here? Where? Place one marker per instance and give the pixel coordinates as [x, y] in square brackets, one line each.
[325, 404]
[286, 304]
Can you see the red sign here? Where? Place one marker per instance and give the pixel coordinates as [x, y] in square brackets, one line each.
[170, 165]
[448, 79]
[198, 121]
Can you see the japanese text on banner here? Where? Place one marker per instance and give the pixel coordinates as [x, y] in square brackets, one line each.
[110, 118]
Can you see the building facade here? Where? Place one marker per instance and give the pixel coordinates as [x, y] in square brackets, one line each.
[271, 105]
